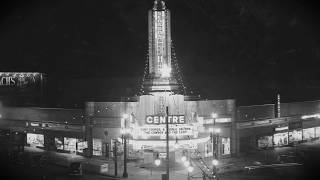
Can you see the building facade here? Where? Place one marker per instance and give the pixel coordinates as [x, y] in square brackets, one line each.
[262, 127]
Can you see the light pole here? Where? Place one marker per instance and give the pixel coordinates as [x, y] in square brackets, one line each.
[167, 139]
[214, 132]
[187, 163]
[124, 135]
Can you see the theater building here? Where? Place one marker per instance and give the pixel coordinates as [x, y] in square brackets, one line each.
[93, 130]
[143, 118]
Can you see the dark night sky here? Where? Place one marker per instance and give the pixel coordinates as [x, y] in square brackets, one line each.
[226, 48]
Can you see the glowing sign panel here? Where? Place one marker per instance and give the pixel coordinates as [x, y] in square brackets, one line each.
[172, 119]
[159, 130]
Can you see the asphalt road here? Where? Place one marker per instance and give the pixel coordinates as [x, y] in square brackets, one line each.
[10, 169]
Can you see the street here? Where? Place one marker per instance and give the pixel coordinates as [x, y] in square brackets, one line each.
[26, 167]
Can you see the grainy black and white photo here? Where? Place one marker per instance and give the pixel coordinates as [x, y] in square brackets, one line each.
[159, 89]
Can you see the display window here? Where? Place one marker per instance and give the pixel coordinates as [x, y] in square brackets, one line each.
[97, 147]
[295, 136]
[58, 143]
[265, 142]
[225, 146]
[280, 139]
[308, 133]
[35, 140]
[208, 149]
[81, 145]
[317, 131]
[70, 144]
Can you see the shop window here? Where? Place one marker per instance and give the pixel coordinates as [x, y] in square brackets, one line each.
[280, 139]
[265, 142]
[317, 131]
[81, 145]
[70, 144]
[97, 147]
[58, 143]
[295, 136]
[308, 133]
[208, 149]
[35, 140]
[225, 146]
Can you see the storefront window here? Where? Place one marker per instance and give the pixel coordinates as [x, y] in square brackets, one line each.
[97, 147]
[308, 133]
[58, 143]
[280, 139]
[295, 136]
[81, 145]
[208, 149]
[225, 146]
[70, 144]
[317, 131]
[265, 142]
[35, 140]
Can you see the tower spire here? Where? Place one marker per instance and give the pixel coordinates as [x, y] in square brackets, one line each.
[159, 5]
[160, 78]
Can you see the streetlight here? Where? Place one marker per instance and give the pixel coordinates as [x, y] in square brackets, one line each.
[214, 115]
[190, 169]
[186, 163]
[157, 162]
[215, 162]
[183, 159]
[214, 134]
[124, 135]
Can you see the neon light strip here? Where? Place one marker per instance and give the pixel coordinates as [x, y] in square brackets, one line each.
[137, 144]
[311, 116]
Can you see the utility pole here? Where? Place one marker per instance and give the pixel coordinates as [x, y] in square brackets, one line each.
[125, 173]
[167, 138]
[115, 157]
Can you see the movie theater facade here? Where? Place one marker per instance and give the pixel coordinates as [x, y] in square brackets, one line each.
[143, 123]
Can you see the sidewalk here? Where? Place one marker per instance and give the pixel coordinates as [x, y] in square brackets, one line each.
[136, 172]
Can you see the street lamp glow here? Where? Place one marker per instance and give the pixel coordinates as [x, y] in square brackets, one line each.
[190, 169]
[215, 162]
[157, 162]
[214, 115]
[183, 159]
[186, 163]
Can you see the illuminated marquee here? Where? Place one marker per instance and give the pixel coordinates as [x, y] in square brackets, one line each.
[160, 130]
[172, 119]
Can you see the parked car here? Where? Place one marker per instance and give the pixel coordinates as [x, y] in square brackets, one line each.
[75, 169]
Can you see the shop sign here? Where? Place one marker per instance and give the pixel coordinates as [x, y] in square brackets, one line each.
[34, 124]
[17, 79]
[217, 120]
[310, 116]
[172, 119]
[162, 155]
[223, 120]
[295, 125]
[281, 128]
[160, 130]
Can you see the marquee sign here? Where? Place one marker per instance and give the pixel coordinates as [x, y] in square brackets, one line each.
[160, 130]
[172, 119]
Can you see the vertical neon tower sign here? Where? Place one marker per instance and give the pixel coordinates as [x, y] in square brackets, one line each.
[159, 41]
